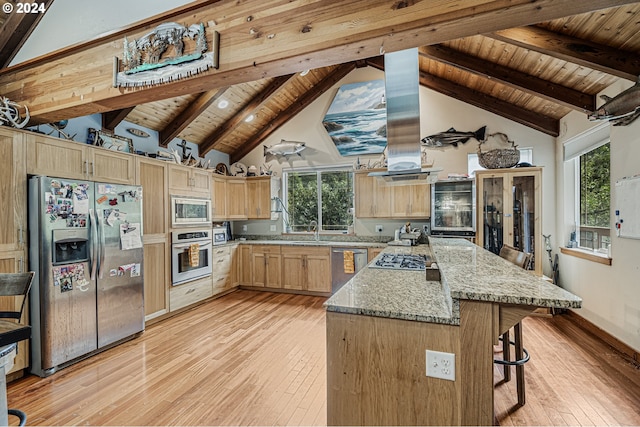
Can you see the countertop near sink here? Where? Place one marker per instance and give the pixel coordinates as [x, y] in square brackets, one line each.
[468, 272]
[349, 244]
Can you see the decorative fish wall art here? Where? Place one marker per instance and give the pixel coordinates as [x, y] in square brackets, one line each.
[285, 148]
[452, 138]
[622, 109]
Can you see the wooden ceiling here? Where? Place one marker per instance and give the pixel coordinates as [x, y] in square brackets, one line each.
[533, 75]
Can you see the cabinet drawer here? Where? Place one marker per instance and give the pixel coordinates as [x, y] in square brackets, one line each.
[266, 249]
[189, 293]
[220, 281]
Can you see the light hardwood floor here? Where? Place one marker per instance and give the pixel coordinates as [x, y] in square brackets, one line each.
[254, 358]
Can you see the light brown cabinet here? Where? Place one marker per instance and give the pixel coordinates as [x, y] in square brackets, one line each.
[372, 253]
[218, 197]
[13, 190]
[244, 267]
[411, 201]
[73, 160]
[266, 262]
[152, 176]
[372, 197]
[306, 268]
[259, 197]
[236, 198]
[190, 293]
[189, 181]
[14, 262]
[509, 211]
[222, 268]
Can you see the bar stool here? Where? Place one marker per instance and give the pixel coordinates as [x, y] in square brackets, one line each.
[521, 259]
[12, 331]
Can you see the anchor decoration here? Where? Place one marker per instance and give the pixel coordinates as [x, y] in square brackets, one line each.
[147, 60]
[10, 113]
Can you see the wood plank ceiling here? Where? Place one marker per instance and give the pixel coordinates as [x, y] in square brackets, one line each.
[533, 75]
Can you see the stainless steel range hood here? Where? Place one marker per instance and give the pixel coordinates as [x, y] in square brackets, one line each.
[404, 160]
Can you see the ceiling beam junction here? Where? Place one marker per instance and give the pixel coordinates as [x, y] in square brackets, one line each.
[111, 119]
[16, 30]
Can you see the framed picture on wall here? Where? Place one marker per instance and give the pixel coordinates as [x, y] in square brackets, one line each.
[109, 141]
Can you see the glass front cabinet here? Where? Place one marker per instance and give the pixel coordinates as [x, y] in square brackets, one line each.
[509, 211]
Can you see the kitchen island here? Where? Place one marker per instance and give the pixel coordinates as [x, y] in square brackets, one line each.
[380, 324]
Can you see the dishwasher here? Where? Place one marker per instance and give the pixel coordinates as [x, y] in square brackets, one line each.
[342, 271]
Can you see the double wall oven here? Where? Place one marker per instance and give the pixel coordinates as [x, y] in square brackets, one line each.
[191, 255]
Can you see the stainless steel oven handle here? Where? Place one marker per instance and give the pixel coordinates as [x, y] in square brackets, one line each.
[188, 245]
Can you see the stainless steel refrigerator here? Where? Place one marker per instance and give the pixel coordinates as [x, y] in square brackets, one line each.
[86, 250]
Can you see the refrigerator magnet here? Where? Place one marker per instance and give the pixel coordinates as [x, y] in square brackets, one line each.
[102, 199]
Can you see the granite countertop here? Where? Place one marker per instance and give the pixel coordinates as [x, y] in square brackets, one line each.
[467, 272]
[335, 243]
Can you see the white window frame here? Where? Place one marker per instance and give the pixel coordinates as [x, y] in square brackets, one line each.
[285, 193]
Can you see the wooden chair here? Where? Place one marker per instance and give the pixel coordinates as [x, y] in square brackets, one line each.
[11, 330]
[523, 260]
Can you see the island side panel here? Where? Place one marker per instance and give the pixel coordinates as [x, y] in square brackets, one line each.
[477, 334]
[376, 372]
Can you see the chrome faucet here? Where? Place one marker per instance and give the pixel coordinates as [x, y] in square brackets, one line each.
[314, 227]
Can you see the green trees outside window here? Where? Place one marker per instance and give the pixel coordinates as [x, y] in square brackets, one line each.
[595, 198]
[325, 197]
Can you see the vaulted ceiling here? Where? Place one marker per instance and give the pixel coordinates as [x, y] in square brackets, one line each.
[533, 74]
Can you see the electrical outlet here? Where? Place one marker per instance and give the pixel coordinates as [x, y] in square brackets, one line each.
[378, 228]
[272, 227]
[441, 365]
[244, 228]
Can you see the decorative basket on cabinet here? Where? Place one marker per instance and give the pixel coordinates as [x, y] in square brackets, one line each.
[498, 158]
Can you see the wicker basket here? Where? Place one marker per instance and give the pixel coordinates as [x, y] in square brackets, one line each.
[499, 158]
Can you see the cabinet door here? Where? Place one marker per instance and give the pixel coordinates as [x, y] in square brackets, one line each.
[259, 268]
[293, 266]
[274, 271]
[111, 166]
[51, 157]
[218, 198]
[157, 273]
[372, 253]
[318, 270]
[179, 180]
[152, 176]
[420, 200]
[13, 191]
[259, 198]
[401, 204]
[365, 207]
[236, 198]
[14, 262]
[200, 182]
[245, 265]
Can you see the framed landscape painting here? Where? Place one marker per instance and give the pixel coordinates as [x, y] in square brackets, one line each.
[357, 119]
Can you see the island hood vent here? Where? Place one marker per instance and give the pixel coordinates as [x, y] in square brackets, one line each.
[402, 85]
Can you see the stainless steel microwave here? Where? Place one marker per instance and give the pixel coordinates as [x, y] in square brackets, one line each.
[187, 212]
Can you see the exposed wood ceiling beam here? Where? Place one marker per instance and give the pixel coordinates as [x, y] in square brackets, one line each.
[189, 114]
[305, 35]
[558, 94]
[111, 119]
[228, 126]
[300, 104]
[583, 52]
[16, 29]
[497, 106]
[489, 103]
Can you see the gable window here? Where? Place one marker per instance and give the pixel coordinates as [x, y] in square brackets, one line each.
[319, 199]
[594, 195]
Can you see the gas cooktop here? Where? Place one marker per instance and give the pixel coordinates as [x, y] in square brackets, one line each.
[401, 262]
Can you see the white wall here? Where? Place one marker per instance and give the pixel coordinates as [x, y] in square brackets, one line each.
[438, 113]
[611, 294]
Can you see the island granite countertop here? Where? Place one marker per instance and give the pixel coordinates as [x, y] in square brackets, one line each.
[467, 272]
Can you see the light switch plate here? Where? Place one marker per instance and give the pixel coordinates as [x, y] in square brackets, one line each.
[272, 227]
[441, 365]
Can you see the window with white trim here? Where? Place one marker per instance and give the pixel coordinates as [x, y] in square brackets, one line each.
[319, 199]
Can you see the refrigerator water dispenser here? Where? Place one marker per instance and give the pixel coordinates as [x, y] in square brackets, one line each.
[70, 246]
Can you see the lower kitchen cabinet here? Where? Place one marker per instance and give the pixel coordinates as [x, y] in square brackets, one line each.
[157, 275]
[222, 268]
[306, 268]
[372, 253]
[190, 293]
[267, 266]
[244, 267]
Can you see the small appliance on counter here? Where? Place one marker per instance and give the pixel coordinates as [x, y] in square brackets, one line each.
[220, 233]
[406, 236]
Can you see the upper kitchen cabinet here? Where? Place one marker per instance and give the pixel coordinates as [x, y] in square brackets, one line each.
[73, 160]
[259, 197]
[411, 200]
[509, 211]
[189, 181]
[218, 197]
[236, 198]
[13, 190]
[372, 196]
[152, 176]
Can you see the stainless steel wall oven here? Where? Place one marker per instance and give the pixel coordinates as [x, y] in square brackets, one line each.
[191, 255]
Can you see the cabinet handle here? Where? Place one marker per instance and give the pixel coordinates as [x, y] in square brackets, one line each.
[93, 168]
[20, 236]
[21, 265]
[86, 167]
